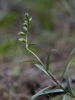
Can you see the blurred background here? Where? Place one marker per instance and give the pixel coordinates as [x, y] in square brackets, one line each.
[52, 28]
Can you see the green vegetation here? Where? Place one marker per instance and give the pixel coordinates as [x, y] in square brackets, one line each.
[45, 68]
[53, 26]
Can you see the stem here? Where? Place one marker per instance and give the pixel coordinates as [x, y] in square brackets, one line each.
[35, 56]
[56, 81]
[59, 84]
[33, 53]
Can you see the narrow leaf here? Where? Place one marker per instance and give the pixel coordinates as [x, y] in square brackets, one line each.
[45, 91]
[41, 68]
[73, 91]
[48, 62]
[44, 70]
[65, 97]
[67, 79]
[68, 7]
[37, 94]
[29, 61]
[68, 60]
[32, 44]
[52, 91]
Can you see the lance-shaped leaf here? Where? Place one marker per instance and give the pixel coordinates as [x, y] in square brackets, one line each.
[68, 7]
[48, 62]
[67, 79]
[73, 91]
[45, 91]
[68, 60]
[29, 61]
[41, 68]
[37, 94]
[32, 44]
[65, 97]
[44, 70]
[52, 91]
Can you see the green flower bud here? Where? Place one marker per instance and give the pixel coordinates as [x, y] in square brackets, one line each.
[25, 28]
[21, 40]
[25, 24]
[21, 33]
[30, 19]
[26, 15]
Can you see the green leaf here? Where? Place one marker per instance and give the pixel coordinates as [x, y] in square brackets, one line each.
[65, 97]
[44, 70]
[41, 68]
[29, 61]
[37, 94]
[45, 91]
[73, 91]
[68, 7]
[67, 79]
[48, 62]
[52, 91]
[68, 60]
[32, 44]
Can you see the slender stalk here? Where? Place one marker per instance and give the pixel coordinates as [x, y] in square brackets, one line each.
[33, 53]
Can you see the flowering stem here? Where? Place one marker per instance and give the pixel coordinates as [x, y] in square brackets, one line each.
[43, 66]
